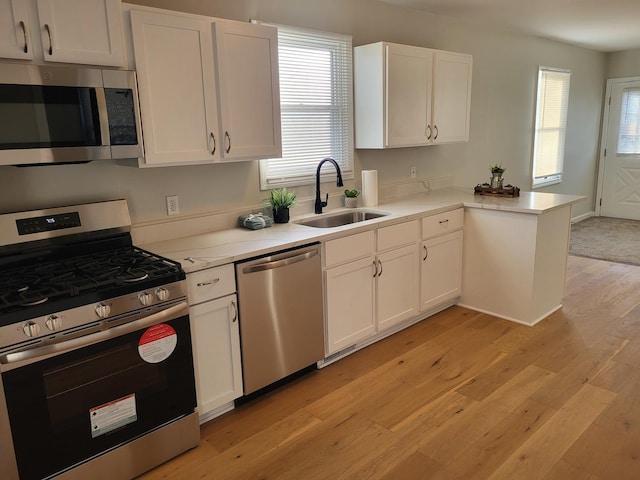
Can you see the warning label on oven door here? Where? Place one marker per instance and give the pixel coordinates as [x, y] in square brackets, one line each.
[157, 343]
[113, 415]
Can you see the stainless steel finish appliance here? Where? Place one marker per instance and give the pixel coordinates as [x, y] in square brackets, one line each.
[281, 315]
[96, 366]
[55, 114]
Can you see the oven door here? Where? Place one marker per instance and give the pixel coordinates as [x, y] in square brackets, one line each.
[122, 383]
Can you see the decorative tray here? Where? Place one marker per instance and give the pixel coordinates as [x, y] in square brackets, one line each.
[488, 190]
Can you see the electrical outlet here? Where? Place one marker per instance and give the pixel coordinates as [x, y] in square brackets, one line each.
[413, 171]
[172, 205]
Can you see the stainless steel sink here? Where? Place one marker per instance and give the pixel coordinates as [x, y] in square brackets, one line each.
[339, 219]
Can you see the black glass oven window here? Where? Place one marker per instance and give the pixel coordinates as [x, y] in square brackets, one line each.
[44, 117]
[49, 402]
[122, 118]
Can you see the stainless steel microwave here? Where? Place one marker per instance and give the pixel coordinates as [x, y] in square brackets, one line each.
[60, 114]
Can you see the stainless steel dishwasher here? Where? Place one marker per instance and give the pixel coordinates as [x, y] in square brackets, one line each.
[281, 317]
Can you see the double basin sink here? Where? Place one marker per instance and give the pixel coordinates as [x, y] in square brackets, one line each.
[331, 220]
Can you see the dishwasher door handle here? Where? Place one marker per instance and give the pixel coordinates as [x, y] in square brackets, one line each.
[259, 267]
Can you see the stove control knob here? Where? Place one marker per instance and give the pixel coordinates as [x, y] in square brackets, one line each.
[31, 329]
[162, 294]
[103, 310]
[53, 323]
[145, 298]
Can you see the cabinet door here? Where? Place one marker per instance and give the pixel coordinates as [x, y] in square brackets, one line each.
[451, 97]
[176, 83]
[15, 34]
[216, 347]
[349, 304]
[247, 63]
[82, 31]
[397, 286]
[408, 95]
[441, 270]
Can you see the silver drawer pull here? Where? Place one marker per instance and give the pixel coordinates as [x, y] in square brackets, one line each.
[443, 221]
[209, 282]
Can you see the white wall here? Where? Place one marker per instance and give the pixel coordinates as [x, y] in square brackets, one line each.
[502, 115]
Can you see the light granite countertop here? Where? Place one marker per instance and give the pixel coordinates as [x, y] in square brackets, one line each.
[216, 248]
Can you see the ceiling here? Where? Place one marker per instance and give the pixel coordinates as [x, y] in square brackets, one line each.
[608, 26]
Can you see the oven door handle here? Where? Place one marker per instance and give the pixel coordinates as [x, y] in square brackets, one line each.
[36, 354]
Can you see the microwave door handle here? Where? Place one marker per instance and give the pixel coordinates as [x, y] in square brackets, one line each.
[103, 117]
[36, 354]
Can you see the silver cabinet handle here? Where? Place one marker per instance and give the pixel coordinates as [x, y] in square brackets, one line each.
[426, 253]
[208, 282]
[46, 27]
[228, 138]
[24, 33]
[234, 318]
[429, 129]
[213, 137]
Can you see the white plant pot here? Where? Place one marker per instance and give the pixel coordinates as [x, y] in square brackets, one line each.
[351, 202]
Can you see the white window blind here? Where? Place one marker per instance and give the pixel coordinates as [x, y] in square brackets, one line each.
[316, 107]
[551, 125]
[629, 131]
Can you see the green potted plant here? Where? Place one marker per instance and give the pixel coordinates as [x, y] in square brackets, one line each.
[281, 200]
[496, 175]
[351, 198]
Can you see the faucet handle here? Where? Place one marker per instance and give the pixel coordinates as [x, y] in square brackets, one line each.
[324, 204]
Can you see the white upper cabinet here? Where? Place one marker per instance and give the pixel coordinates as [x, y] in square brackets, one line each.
[81, 31]
[410, 96]
[209, 89]
[70, 31]
[176, 87]
[451, 96]
[15, 30]
[249, 90]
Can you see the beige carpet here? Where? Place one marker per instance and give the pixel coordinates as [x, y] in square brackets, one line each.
[605, 238]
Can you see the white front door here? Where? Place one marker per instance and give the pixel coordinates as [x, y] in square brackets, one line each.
[619, 180]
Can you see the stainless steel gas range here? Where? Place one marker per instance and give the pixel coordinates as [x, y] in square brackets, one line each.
[96, 367]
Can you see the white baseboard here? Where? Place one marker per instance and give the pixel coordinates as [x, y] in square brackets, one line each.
[582, 217]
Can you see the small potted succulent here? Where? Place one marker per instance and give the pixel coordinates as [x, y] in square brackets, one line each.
[281, 200]
[351, 198]
[496, 175]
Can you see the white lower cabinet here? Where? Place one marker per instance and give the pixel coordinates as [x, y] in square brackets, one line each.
[350, 301]
[371, 283]
[216, 340]
[441, 269]
[397, 286]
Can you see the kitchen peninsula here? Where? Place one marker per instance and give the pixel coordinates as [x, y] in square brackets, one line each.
[514, 249]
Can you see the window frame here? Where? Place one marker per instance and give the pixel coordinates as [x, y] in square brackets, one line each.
[537, 180]
[346, 126]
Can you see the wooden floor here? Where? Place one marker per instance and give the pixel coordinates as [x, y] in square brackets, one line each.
[461, 395]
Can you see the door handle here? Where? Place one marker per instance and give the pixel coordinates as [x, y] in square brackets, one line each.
[426, 253]
[234, 318]
[24, 33]
[259, 267]
[228, 138]
[48, 30]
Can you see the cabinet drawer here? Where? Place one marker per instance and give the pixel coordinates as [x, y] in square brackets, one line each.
[211, 283]
[397, 235]
[348, 248]
[442, 223]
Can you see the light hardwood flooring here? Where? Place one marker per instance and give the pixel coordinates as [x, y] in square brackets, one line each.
[461, 395]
